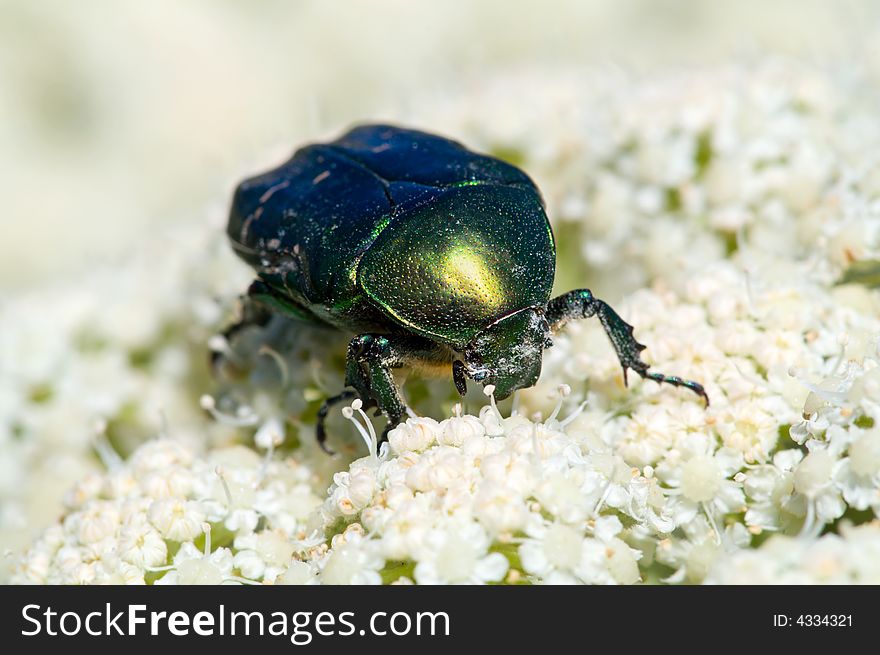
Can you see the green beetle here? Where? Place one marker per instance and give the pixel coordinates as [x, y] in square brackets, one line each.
[433, 256]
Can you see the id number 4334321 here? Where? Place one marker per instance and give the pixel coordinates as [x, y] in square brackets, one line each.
[813, 620]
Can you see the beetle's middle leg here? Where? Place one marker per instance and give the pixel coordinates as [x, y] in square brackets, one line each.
[371, 358]
[256, 309]
[581, 303]
[326, 406]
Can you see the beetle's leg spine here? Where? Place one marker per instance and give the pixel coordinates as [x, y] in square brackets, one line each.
[676, 381]
[581, 303]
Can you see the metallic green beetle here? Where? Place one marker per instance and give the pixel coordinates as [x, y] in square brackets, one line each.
[433, 256]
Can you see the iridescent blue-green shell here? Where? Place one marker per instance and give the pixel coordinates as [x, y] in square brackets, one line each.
[396, 230]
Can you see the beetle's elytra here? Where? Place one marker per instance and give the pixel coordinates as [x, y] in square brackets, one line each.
[428, 253]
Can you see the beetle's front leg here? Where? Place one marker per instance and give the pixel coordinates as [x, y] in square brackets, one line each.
[368, 370]
[354, 377]
[371, 357]
[582, 304]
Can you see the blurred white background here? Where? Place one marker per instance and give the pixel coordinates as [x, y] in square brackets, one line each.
[120, 117]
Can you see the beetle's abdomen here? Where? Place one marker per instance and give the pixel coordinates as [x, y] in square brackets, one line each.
[451, 267]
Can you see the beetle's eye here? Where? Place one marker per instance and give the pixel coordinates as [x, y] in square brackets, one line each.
[548, 343]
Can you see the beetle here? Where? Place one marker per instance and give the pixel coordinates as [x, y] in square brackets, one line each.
[433, 256]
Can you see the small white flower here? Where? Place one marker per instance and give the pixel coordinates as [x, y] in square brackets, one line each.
[859, 475]
[213, 569]
[250, 563]
[416, 434]
[703, 483]
[355, 562]
[563, 494]
[298, 573]
[746, 427]
[456, 430]
[814, 480]
[849, 558]
[270, 434]
[646, 436]
[460, 557]
[274, 547]
[141, 545]
[167, 483]
[178, 520]
[813, 474]
[864, 454]
[499, 508]
[701, 478]
[556, 548]
[98, 521]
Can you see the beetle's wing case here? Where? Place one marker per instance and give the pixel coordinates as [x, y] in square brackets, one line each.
[452, 266]
[306, 224]
[404, 158]
[307, 220]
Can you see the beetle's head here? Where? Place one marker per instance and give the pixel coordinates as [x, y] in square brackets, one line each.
[508, 353]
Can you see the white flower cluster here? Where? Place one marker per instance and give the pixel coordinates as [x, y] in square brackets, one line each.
[489, 499]
[90, 369]
[745, 195]
[790, 444]
[96, 365]
[851, 557]
[169, 517]
[790, 441]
